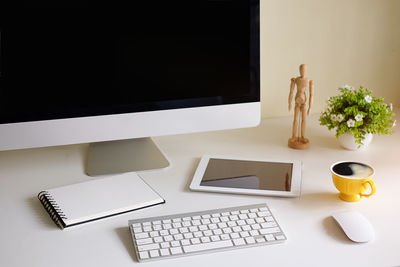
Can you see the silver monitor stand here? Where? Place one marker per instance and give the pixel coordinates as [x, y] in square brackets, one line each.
[121, 156]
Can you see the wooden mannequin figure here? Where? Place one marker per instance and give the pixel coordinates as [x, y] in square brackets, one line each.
[301, 82]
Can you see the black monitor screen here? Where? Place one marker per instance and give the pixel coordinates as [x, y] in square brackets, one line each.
[73, 59]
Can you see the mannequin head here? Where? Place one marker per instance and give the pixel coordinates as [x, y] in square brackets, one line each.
[303, 70]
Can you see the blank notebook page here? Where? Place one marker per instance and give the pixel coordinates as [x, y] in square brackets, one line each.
[103, 197]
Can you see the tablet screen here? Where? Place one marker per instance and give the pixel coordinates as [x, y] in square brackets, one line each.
[244, 174]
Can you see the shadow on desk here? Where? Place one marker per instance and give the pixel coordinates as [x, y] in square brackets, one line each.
[126, 239]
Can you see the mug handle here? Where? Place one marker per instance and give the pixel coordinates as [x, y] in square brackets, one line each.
[373, 189]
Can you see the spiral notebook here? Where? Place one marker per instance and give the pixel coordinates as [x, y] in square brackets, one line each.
[96, 199]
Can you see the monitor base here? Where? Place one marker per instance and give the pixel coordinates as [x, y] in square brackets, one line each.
[131, 155]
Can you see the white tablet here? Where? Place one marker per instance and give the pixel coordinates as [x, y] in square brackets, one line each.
[248, 176]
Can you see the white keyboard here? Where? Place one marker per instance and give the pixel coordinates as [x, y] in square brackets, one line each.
[205, 231]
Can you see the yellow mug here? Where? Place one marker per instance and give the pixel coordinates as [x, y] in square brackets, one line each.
[352, 179]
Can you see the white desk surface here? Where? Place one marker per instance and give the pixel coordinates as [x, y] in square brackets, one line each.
[30, 238]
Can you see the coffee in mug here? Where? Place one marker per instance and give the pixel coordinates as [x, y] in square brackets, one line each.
[352, 179]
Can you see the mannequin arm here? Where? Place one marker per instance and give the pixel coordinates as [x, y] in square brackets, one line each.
[292, 84]
[311, 85]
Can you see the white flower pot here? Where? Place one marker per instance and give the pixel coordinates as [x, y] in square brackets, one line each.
[347, 141]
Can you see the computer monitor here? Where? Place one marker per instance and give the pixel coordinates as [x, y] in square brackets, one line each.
[114, 75]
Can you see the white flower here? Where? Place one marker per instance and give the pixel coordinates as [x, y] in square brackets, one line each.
[347, 87]
[391, 107]
[394, 123]
[368, 98]
[339, 117]
[359, 117]
[350, 123]
[333, 117]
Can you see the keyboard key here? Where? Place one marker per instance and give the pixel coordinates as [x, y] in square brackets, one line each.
[178, 237]
[254, 232]
[144, 255]
[244, 234]
[270, 230]
[164, 252]
[193, 229]
[177, 225]
[188, 235]
[154, 253]
[246, 227]
[207, 233]
[280, 237]
[222, 225]
[185, 242]
[268, 224]
[215, 238]
[227, 230]
[186, 223]
[183, 230]
[250, 240]
[147, 228]
[144, 241]
[217, 231]
[252, 215]
[270, 237]
[224, 219]
[212, 226]
[234, 235]
[165, 245]
[236, 229]
[239, 241]
[231, 223]
[198, 234]
[195, 240]
[158, 239]
[243, 216]
[163, 232]
[269, 219]
[176, 250]
[175, 244]
[215, 220]
[137, 230]
[173, 231]
[148, 247]
[225, 237]
[260, 239]
[208, 246]
[263, 213]
[141, 235]
[154, 233]
[202, 227]
[205, 239]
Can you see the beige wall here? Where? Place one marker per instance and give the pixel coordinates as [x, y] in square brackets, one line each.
[355, 42]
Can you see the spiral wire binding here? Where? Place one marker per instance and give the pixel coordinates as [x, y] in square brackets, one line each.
[52, 208]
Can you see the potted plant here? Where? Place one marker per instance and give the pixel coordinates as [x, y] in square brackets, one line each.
[356, 116]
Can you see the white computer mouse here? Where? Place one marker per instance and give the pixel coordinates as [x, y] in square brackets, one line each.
[355, 226]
